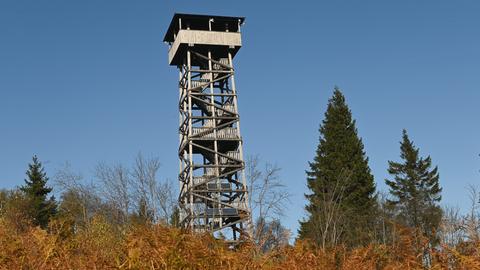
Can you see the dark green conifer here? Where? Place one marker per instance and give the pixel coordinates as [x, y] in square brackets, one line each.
[415, 190]
[342, 200]
[40, 208]
[145, 214]
[175, 217]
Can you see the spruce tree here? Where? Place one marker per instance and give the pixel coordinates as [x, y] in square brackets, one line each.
[40, 208]
[175, 218]
[145, 214]
[415, 190]
[342, 200]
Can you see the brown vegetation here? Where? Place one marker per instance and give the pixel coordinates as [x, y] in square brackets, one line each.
[101, 245]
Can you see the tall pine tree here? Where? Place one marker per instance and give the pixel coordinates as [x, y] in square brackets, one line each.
[415, 190]
[342, 200]
[40, 208]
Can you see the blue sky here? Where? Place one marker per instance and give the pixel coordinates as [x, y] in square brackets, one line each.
[88, 81]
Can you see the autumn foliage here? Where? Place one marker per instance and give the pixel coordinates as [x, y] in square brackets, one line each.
[100, 245]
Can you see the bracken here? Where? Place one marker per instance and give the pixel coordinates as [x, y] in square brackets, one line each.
[100, 245]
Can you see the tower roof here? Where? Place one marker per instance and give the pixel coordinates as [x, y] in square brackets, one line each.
[200, 22]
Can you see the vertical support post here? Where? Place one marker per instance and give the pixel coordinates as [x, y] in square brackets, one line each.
[246, 206]
[180, 122]
[215, 139]
[190, 133]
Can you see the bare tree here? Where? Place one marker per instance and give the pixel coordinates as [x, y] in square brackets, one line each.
[119, 192]
[384, 216]
[79, 200]
[267, 198]
[159, 196]
[65, 179]
[115, 188]
[472, 219]
[329, 219]
[144, 183]
[271, 235]
[452, 230]
[166, 200]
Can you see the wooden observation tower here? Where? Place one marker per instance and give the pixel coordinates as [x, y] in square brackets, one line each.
[213, 191]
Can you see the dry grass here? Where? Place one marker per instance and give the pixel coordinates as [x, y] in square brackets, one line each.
[102, 246]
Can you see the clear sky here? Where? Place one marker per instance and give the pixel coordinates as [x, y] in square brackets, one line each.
[88, 81]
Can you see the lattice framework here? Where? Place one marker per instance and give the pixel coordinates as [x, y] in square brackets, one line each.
[213, 192]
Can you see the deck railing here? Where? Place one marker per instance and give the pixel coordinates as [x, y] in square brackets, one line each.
[223, 133]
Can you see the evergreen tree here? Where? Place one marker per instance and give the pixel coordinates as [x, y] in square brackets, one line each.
[415, 190]
[144, 215]
[40, 209]
[342, 200]
[144, 211]
[175, 217]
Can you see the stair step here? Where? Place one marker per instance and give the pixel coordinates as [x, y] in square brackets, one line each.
[222, 186]
[222, 212]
